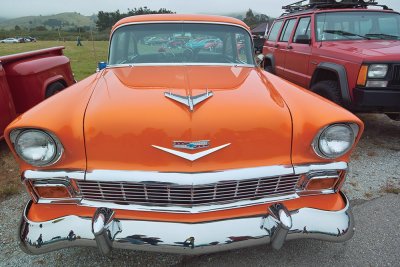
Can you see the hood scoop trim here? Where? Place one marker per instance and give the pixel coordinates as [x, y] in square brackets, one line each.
[190, 101]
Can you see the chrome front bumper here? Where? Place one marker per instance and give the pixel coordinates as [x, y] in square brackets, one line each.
[107, 232]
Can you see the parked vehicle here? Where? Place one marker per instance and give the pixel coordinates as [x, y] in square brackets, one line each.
[9, 40]
[185, 152]
[258, 44]
[348, 52]
[28, 78]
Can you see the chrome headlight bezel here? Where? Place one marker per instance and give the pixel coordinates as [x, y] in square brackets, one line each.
[377, 71]
[353, 130]
[16, 134]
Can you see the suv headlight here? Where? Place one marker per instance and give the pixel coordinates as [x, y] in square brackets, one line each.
[377, 71]
[37, 147]
[335, 140]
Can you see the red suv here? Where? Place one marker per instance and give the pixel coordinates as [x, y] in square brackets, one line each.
[346, 51]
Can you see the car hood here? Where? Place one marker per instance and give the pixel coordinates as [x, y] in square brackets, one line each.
[129, 116]
[386, 50]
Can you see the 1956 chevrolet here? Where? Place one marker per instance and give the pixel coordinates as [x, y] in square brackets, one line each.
[183, 148]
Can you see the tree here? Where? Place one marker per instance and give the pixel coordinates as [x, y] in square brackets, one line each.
[105, 20]
[254, 20]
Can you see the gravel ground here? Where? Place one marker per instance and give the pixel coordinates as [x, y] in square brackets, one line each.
[374, 173]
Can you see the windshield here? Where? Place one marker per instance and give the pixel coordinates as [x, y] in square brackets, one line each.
[357, 26]
[188, 43]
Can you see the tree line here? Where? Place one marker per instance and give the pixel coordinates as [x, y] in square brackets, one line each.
[105, 20]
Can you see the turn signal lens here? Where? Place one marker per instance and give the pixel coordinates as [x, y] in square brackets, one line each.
[362, 75]
[58, 191]
[321, 184]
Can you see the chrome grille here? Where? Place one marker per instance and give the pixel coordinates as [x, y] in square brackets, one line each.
[187, 195]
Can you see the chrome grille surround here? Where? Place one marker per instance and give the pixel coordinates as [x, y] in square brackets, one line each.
[164, 194]
[181, 179]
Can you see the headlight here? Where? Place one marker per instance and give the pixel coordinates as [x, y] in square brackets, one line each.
[37, 147]
[335, 140]
[377, 71]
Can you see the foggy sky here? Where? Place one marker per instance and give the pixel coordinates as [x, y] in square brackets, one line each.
[19, 8]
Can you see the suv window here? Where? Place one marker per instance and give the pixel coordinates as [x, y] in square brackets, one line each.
[273, 35]
[287, 30]
[352, 25]
[303, 28]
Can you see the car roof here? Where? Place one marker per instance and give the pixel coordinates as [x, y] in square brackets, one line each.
[179, 18]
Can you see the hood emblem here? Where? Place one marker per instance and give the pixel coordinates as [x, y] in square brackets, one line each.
[191, 145]
[189, 100]
[191, 157]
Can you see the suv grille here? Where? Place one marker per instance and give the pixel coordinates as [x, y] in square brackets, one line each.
[396, 75]
[187, 195]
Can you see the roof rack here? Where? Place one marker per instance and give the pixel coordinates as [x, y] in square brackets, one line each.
[320, 4]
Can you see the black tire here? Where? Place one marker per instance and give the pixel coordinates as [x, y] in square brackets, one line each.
[329, 90]
[268, 68]
[54, 88]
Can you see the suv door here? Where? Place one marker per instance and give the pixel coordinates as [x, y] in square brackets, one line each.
[282, 46]
[298, 53]
[270, 43]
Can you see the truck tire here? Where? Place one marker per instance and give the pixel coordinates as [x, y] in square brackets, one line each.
[328, 89]
[54, 88]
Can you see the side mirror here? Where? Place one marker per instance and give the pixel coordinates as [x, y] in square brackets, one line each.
[259, 59]
[101, 65]
[303, 39]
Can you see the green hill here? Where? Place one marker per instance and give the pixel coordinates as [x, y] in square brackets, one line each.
[65, 20]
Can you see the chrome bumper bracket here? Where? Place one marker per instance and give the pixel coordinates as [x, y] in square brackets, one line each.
[104, 228]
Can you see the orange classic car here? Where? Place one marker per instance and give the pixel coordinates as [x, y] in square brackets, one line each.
[183, 149]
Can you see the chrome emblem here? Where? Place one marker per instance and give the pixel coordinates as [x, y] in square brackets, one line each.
[191, 145]
[189, 100]
[191, 157]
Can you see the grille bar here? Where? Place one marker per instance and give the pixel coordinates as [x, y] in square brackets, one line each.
[187, 195]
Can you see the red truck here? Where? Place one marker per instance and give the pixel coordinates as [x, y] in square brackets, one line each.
[28, 78]
[347, 51]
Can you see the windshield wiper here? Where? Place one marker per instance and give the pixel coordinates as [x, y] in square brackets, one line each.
[383, 35]
[343, 33]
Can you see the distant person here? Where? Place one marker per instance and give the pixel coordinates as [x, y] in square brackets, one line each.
[78, 41]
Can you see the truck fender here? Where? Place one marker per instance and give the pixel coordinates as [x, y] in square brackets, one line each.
[50, 80]
[341, 74]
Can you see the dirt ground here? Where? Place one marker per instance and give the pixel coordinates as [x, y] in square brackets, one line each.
[9, 174]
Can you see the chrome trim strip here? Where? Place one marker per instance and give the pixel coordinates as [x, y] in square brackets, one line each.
[188, 210]
[179, 64]
[192, 178]
[54, 174]
[185, 238]
[300, 169]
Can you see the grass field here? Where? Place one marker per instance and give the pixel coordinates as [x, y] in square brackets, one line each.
[84, 58]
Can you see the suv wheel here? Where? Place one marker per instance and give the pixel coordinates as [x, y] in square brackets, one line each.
[329, 90]
[268, 68]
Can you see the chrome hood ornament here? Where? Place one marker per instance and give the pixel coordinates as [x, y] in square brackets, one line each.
[189, 100]
[191, 157]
